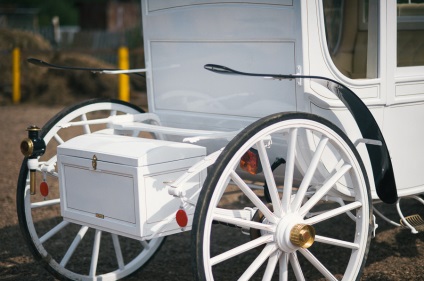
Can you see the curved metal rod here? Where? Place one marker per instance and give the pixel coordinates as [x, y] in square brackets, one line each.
[379, 154]
[42, 63]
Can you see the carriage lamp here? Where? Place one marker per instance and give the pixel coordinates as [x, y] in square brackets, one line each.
[250, 163]
[32, 147]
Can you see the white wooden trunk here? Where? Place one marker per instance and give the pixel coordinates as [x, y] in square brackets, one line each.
[126, 193]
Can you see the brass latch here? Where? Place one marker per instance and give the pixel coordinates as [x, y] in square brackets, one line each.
[94, 162]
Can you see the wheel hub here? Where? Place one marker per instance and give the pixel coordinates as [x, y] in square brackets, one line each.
[302, 235]
[291, 234]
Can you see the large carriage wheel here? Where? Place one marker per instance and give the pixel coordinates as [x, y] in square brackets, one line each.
[308, 217]
[67, 250]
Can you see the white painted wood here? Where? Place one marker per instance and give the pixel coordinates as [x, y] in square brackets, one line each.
[127, 193]
[135, 152]
[251, 35]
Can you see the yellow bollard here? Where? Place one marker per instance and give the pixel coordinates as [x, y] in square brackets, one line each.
[16, 74]
[124, 79]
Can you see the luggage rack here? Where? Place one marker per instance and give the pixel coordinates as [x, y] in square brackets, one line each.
[135, 123]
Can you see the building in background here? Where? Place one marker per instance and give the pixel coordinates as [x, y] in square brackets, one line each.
[110, 16]
[20, 18]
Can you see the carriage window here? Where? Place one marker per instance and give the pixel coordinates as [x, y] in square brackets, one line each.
[410, 32]
[352, 36]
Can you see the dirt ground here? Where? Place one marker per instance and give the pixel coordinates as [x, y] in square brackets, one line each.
[395, 254]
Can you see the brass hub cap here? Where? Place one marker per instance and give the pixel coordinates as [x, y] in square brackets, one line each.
[302, 235]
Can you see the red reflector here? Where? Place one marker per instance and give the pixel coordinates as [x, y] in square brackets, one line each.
[44, 189]
[250, 162]
[182, 218]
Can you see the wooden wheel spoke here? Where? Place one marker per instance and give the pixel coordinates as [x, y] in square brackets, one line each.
[323, 190]
[318, 265]
[95, 253]
[336, 242]
[118, 251]
[289, 171]
[283, 263]
[271, 265]
[296, 267]
[78, 238]
[253, 197]
[241, 249]
[86, 127]
[269, 177]
[53, 231]
[145, 245]
[58, 138]
[300, 195]
[332, 213]
[260, 259]
[242, 223]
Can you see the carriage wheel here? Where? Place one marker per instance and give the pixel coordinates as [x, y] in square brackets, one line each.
[315, 223]
[67, 250]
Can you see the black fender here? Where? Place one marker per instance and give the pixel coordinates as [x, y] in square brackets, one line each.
[381, 163]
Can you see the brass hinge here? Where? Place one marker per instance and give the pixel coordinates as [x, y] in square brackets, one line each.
[100, 216]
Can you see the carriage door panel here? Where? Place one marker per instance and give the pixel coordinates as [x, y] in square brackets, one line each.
[404, 115]
[180, 38]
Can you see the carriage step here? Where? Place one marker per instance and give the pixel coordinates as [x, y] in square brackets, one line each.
[414, 220]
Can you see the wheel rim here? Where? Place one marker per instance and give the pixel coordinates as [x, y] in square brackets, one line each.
[276, 249]
[42, 234]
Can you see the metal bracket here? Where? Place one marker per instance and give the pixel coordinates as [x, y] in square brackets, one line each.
[299, 72]
[375, 225]
[368, 141]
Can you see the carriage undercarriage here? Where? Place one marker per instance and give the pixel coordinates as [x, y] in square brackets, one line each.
[281, 214]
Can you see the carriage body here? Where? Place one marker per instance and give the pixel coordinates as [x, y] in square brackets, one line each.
[341, 80]
[289, 37]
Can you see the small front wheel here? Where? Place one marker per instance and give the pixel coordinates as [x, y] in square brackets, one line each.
[298, 210]
[67, 250]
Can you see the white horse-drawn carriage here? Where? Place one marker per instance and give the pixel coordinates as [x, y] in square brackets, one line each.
[264, 137]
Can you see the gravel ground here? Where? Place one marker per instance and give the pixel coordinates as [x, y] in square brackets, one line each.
[395, 254]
